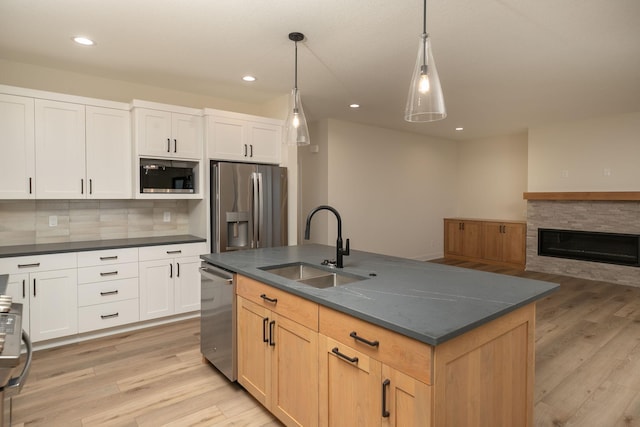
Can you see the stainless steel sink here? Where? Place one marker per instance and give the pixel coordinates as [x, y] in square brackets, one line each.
[312, 276]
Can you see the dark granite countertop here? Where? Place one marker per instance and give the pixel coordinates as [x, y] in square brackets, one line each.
[94, 245]
[426, 301]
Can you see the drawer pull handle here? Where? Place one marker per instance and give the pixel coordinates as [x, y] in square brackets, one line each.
[272, 343]
[271, 300]
[355, 336]
[108, 258]
[174, 252]
[109, 273]
[264, 329]
[385, 412]
[35, 264]
[344, 356]
[104, 294]
[109, 316]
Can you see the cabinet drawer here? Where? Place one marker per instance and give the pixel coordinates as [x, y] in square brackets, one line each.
[114, 290]
[107, 272]
[398, 351]
[107, 315]
[30, 264]
[106, 257]
[291, 306]
[148, 253]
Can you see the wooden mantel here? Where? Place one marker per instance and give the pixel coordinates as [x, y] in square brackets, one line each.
[624, 196]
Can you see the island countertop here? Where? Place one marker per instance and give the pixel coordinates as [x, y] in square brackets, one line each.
[429, 302]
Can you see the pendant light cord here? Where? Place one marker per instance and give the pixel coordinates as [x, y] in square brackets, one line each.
[295, 74]
[424, 36]
[424, 17]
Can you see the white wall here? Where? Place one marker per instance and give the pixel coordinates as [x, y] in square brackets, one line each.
[600, 154]
[391, 188]
[54, 80]
[492, 175]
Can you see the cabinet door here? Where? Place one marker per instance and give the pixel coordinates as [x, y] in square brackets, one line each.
[453, 237]
[17, 147]
[156, 289]
[227, 139]
[265, 142]
[493, 241]
[471, 239]
[60, 150]
[187, 136]
[153, 132]
[254, 369]
[187, 285]
[54, 304]
[18, 288]
[294, 370]
[350, 392]
[108, 153]
[406, 401]
[514, 248]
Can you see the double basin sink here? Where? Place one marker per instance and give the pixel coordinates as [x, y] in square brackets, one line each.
[310, 275]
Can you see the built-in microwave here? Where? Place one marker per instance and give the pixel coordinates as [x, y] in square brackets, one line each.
[167, 176]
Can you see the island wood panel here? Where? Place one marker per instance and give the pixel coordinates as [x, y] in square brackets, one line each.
[295, 308]
[350, 392]
[486, 376]
[408, 400]
[398, 351]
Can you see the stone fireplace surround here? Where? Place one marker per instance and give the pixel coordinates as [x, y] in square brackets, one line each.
[615, 212]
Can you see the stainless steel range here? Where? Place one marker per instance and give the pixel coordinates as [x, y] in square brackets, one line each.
[11, 338]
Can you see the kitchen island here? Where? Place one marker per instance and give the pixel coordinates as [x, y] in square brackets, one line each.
[407, 343]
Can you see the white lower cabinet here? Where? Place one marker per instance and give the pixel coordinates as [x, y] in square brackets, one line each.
[53, 304]
[46, 285]
[18, 287]
[169, 279]
[107, 288]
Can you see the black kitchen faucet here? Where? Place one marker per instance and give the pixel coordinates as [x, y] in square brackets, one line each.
[340, 252]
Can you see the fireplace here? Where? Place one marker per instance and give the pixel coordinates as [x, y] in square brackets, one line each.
[600, 214]
[611, 248]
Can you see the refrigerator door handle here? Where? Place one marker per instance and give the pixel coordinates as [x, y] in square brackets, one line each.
[255, 208]
[260, 210]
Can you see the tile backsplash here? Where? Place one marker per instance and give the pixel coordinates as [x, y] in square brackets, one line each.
[55, 221]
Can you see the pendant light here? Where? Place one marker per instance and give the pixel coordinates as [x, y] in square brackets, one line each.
[425, 102]
[296, 130]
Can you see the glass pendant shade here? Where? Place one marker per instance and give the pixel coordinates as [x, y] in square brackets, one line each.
[296, 131]
[425, 102]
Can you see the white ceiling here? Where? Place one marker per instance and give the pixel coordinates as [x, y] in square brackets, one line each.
[505, 65]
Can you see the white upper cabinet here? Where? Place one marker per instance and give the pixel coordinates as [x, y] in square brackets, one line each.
[60, 150]
[167, 134]
[17, 144]
[82, 152]
[108, 151]
[242, 137]
[57, 146]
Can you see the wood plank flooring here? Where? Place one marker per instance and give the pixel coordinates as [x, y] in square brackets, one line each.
[587, 370]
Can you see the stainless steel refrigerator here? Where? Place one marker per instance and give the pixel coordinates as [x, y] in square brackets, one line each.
[248, 206]
[248, 210]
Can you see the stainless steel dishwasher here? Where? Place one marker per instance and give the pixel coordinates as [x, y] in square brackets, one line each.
[218, 319]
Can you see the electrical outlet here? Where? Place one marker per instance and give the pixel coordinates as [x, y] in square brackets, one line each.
[53, 221]
[564, 173]
[606, 171]
[167, 216]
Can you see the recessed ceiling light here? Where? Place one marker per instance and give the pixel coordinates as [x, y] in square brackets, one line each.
[249, 79]
[83, 40]
[459, 129]
[354, 105]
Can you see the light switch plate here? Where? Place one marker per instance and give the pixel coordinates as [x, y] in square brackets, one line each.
[53, 221]
[167, 216]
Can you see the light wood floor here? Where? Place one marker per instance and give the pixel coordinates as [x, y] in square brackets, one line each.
[587, 370]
